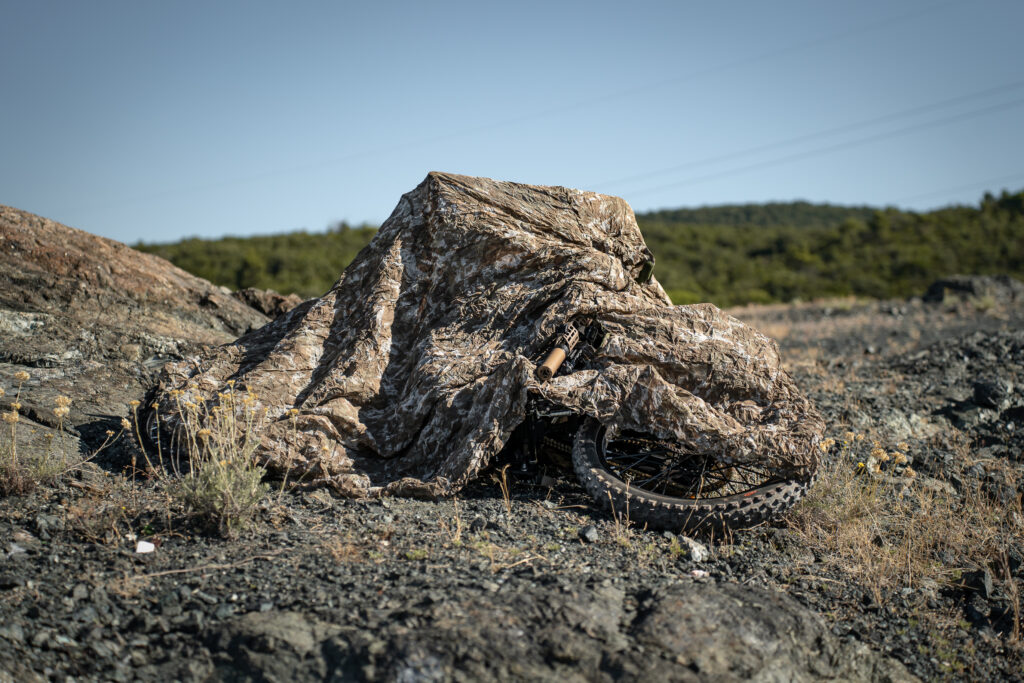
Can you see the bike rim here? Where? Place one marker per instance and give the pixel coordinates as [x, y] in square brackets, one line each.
[668, 469]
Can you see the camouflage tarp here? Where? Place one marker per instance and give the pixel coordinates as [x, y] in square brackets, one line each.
[409, 375]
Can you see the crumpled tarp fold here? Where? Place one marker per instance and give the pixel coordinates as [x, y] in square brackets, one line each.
[410, 374]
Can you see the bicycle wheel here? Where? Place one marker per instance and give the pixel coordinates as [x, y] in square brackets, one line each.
[665, 486]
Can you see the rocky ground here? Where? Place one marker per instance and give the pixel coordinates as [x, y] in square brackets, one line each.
[904, 562]
[545, 586]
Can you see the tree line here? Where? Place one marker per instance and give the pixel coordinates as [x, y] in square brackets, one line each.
[728, 255]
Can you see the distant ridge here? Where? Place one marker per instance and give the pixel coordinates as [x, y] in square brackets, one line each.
[728, 255]
[799, 214]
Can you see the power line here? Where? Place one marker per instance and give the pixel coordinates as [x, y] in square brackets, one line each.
[832, 148]
[811, 136]
[590, 102]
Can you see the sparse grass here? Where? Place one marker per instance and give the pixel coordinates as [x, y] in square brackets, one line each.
[870, 516]
[223, 482]
[26, 465]
[105, 513]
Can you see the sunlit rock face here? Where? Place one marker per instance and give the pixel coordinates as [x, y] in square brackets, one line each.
[92, 319]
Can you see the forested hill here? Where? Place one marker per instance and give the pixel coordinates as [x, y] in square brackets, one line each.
[795, 214]
[726, 255]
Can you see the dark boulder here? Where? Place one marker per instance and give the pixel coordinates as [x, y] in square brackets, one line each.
[1000, 288]
[267, 301]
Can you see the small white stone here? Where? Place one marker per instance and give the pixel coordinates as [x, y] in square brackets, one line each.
[698, 552]
[144, 547]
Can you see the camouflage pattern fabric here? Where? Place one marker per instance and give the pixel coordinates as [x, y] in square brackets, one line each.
[409, 375]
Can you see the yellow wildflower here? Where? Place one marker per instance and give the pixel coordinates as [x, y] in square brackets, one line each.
[909, 472]
[2, 392]
[110, 432]
[16, 405]
[11, 417]
[203, 433]
[134, 403]
[62, 401]
[21, 376]
[61, 411]
[898, 457]
[125, 424]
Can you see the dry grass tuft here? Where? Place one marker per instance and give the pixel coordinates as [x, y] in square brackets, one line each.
[345, 550]
[223, 481]
[871, 516]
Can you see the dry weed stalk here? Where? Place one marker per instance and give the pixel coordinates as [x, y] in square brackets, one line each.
[502, 483]
[453, 531]
[622, 531]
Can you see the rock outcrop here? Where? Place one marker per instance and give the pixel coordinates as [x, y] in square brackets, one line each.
[999, 288]
[686, 632]
[93, 319]
[267, 301]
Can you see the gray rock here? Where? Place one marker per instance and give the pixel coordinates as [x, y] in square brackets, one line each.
[696, 551]
[12, 632]
[732, 632]
[685, 632]
[271, 645]
[993, 393]
[1000, 288]
[589, 534]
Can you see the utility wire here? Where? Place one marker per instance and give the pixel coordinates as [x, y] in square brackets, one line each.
[588, 103]
[811, 136]
[832, 148]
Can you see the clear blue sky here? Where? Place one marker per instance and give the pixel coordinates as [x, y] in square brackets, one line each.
[158, 120]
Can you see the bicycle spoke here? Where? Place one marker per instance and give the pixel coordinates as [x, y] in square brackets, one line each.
[670, 470]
